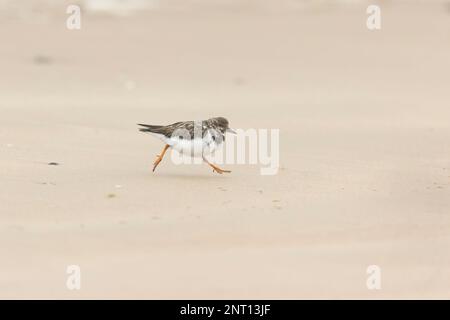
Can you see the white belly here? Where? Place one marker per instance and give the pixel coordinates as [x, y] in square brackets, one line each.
[194, 147]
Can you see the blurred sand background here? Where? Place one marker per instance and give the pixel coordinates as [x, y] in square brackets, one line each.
[364, 134]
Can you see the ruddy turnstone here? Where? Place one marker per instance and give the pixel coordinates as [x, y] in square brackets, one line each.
[195, 138]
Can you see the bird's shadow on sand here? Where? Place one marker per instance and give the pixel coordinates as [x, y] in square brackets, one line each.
[183, 176]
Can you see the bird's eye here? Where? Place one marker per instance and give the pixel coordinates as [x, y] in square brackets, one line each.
[181, 137]
[214, 138]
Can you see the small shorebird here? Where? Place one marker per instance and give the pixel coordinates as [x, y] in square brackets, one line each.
[196, 138]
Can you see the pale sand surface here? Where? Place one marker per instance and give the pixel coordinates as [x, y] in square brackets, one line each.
[364, 151]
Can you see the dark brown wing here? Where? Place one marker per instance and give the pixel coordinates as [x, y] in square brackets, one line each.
[169, 129]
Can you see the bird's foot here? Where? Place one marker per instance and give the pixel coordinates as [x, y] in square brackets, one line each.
[160, 157]
[219, 170]
[157, 161]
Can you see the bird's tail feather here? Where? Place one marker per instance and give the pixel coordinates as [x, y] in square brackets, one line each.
[148, 128]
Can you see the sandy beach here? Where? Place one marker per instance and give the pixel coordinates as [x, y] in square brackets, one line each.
[364, 175]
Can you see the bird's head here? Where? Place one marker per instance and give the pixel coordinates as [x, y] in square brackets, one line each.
[222, 124]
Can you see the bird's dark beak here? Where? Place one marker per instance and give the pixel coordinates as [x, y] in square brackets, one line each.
[231, 131]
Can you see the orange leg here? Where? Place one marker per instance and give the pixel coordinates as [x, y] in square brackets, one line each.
[160, 157]
[216, 168]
